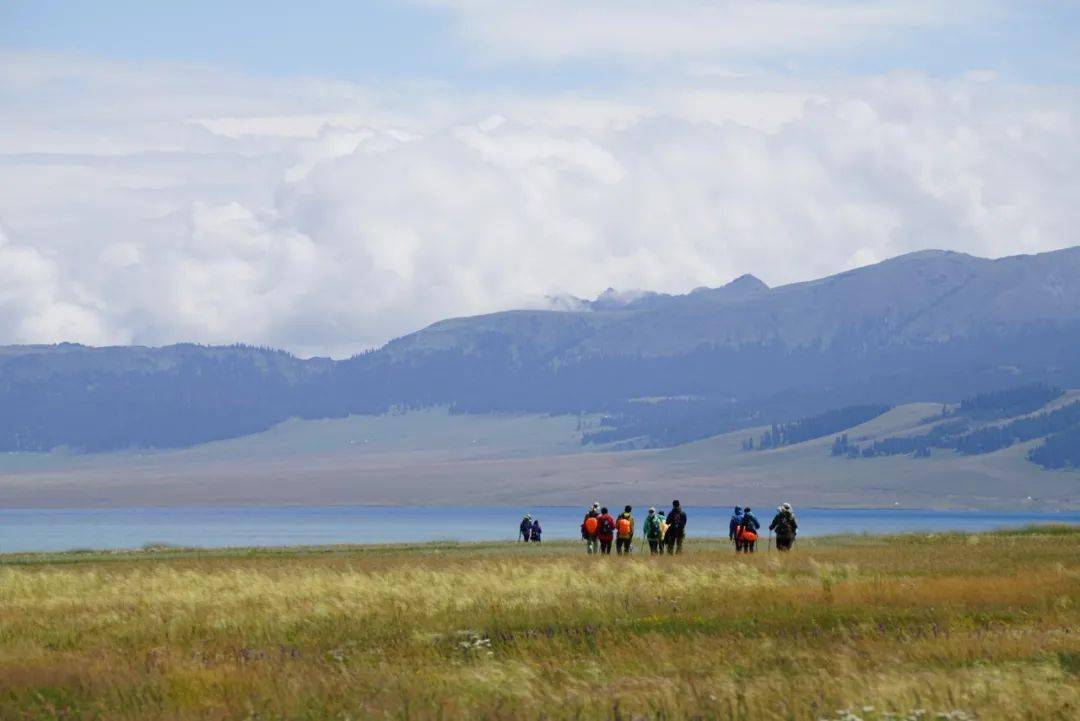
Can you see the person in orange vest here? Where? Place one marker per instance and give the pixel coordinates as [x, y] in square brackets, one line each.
[589, 528]
[605, 531]
[624, 529]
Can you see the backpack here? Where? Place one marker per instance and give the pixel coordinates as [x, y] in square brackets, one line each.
[605, 526]
[624, 527]
[589, 526]
[783, 525]
[652, 526]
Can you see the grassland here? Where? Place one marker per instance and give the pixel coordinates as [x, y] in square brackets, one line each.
[984, 626]
[434, 458]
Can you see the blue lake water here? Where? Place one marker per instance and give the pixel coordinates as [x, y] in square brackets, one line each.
[112, 528]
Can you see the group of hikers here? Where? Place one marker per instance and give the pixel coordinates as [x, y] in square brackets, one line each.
[665, 532]
[530, 530]
[744, 526]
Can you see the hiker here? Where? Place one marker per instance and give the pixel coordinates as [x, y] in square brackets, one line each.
[733, 528]
[676, 529]
[605, 532]
[663, 529]
[748, 530]
[653, 534]
[624, 528]
[536, 530]
[589, 526]
[525, 528]
[784, 526]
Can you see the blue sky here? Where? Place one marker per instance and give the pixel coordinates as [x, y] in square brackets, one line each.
[324, 176]
[380, 40]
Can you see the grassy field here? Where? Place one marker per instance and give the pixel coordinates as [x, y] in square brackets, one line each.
[983, 626]
[434, 458]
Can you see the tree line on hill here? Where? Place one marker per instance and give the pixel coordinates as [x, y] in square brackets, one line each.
[963, 434]
[1010, 402]
[818, 426]
[1061, 450]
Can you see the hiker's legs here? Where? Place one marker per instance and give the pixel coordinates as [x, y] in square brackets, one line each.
[591, 545]
[654, 547]
[605, 547]
[678, 543]
[783, 544]
[622, 545]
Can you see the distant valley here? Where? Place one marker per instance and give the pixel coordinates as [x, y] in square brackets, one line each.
[643, 387]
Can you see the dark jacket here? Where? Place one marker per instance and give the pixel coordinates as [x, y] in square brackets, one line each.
[750, 522]
[536, 530]
[676, 523]
[784, 524]
[525, 528]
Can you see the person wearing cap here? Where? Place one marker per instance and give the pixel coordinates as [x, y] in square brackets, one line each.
[676, 530]
[784, 526]
[525, 528]
[624, 531]
[653, 533]
[589, 527]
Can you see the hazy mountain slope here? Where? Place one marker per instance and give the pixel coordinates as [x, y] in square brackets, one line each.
[433, 458]
[926, 325]
[931, 296]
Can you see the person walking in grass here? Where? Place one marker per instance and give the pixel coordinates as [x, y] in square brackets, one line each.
[605, 532]
[733, 528]
[525, 528]
[536, 531]
[653, 534]
[749, 530]
[784, 526]
[590, 526]
[676, 530]
[624, 529]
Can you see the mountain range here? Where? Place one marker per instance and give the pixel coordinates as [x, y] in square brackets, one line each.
[660, 369]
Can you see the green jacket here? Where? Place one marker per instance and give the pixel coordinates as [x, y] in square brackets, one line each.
[652, 527]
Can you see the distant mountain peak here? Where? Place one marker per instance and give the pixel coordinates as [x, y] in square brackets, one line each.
[612, 299]
[747, 281]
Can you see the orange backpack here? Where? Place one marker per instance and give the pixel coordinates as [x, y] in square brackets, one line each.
[590, 525]
[623, 525]
[746, 534]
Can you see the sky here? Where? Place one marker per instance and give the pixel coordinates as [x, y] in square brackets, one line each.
[325, 176]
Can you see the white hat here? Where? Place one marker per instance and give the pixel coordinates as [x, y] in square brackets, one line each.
[785, 506]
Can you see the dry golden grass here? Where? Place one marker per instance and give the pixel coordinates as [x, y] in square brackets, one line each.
[987, 626]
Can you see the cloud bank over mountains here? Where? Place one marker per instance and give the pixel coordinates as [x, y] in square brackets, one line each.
[152, 203]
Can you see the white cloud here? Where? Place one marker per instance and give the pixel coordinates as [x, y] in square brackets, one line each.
[326, 217]
[651, 31]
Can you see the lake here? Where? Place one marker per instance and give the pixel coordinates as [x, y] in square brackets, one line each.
[112, 528]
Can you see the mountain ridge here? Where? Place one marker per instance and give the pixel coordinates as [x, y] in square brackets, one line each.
[931, 324]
